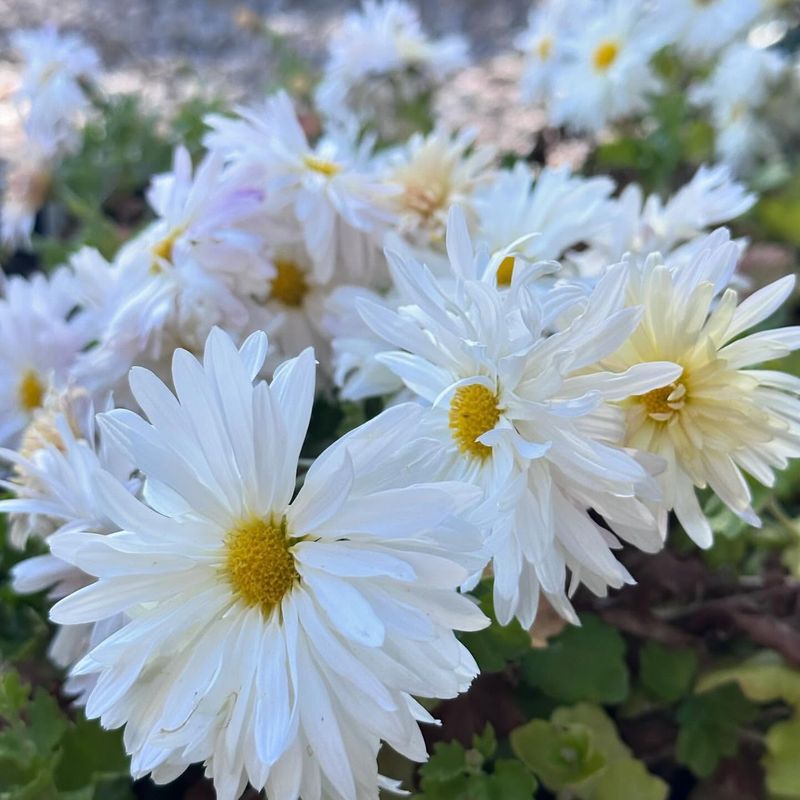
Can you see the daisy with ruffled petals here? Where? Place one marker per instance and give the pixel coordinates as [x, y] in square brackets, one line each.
[275, 637]
[511, 410]
[720, 417]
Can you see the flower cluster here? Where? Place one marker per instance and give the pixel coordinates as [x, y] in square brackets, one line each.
[560, 365]
[595, 62]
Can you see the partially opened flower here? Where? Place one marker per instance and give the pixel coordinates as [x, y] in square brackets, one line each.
[276, 636]
[720, 417]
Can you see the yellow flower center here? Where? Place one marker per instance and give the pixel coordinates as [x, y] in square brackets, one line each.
[289, 284]
[321, 165]
[425, 200]
[31, 391]
[473, 412]
[259, 563]
[545, 47]
[660, 404]
[605, 55]
[505, 271]
[162, 251]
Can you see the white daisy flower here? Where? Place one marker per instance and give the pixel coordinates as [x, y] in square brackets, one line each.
[41, 340]
[435, 172]
[542, 42]
[736, 92]
[204, 213]
[341, 205]
[381, 55]
[276, 638]
[606, 74]
[720, 416]
[511, 410]
[701, 28]
[53, 484]
[539, 219]
[642, 225]
[50, 92]
[295, 303]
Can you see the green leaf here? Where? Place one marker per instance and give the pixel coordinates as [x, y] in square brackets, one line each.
[709, 727]
[90, 753]
[448, 761]
[628, 778]
[762, 679]
[485, 743]
[581, 663]
[666, 672]
[511, 780]
[782, 760]
[560, 755]
[606, 738]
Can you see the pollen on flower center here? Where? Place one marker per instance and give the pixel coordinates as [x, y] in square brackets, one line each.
[473, 412]
[663, 402]
[425, 200]
[605, 55]
[162, 250]
[545, 47]
[321, 165]
[505, 271]
[289, 284]
[258, 562]
[31, 391]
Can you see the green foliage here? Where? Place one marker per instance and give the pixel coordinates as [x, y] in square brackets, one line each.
[44, 755]
[782, 760]
[561, 754]
[666, 672]
[764, 678]
[709, 727]
[456, 773]
[581, 663]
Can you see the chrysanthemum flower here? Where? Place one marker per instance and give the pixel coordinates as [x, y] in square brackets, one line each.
[541, 218]
[41, 340]
[50, 91]
[511, 410]
[53, 487]
[606, 72]
[719, 417]
[701, 28]
[434, 172]
[338, 201]
[380, 57]
[276, 636]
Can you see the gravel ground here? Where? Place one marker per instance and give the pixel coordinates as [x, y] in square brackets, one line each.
[169, 50]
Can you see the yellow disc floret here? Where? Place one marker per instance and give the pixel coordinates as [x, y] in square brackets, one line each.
[321, 165]
[545, 47]
[289, 284]
[505, 271]
[473, 412]
[660, 404]
[605, 55]
[259, 563]
[30, 391]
